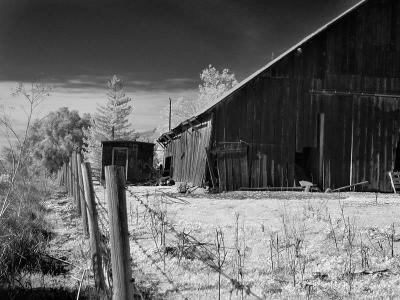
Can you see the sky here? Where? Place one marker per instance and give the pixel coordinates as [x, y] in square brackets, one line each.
[157, 47]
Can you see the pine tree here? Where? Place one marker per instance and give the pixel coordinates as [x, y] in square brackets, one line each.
[110, 122]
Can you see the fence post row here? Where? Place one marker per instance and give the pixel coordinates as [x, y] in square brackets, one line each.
[119, 236]
[70, 177]
[75, 185]
[93, 229]
[77, 178]
[81, 193]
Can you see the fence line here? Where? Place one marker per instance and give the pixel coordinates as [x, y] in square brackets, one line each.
[78, 182]
[77, 179]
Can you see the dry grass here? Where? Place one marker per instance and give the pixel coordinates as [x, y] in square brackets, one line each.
[294, 245]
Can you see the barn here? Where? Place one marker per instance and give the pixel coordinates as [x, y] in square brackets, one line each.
[136, 157]
[327, 111]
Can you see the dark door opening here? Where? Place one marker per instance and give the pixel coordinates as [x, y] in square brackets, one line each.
[168, 167]
[305, 164]
[397, 159]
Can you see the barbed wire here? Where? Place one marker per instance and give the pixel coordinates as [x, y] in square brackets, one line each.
[205, 256]
[154, 262]
[210, 263]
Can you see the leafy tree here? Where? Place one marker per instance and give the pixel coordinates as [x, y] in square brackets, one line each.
[55, 136]
[213, 85]
[110, 122]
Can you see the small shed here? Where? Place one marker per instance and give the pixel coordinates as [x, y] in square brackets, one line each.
[136, 157]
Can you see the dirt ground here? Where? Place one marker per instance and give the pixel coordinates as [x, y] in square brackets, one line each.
[292, 245]
[328, 267]
[67, 255]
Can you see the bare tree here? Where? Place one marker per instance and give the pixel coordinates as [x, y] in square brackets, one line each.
[33, 96]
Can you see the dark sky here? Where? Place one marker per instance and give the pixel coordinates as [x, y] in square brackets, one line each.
[154, 45]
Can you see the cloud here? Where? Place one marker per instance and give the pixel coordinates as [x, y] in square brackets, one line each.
[84, 93]
[99, 83]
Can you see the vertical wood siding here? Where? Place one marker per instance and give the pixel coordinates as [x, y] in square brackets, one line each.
[279, 112]
[189, 154]
[277, 115]
[140, 159]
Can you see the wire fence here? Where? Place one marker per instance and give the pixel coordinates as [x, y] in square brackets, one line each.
[200, 250]
[157, 228]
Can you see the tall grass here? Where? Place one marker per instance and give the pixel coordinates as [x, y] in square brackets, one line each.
[24, 233]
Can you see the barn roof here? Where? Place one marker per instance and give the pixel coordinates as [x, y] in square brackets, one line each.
[182, 126]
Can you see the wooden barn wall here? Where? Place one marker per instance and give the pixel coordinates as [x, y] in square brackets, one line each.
[142, 162]
[279, 112]
[140, 159]
[189, 154]
[107, 157]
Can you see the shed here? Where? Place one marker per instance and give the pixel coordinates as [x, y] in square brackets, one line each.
[136, 157]
[327, 111]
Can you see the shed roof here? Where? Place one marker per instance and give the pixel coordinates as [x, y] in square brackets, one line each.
[117, 142]
[178, 129]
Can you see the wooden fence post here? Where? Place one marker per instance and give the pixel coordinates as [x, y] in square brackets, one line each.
[75, 181]
[65, 181]
[119, 236]
[73, 166]
[60, 176]
[93, 229]
[70, 176]
[65, 175]
[81, 192]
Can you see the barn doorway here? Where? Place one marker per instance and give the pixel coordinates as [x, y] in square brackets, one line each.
[120, 158]
[304, 164]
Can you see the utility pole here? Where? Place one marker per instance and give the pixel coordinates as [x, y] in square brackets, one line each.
[169, 128]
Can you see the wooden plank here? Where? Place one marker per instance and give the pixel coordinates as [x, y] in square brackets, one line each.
[273, 188]
[357, 140]
[210, 164]
[264, 170]
[321, 147]
[229, 166]
[221, 172]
